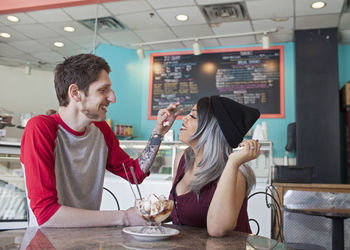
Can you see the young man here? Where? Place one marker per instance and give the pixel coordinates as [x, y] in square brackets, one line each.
[65, 155]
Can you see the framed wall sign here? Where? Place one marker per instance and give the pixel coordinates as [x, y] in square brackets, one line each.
[251, 76]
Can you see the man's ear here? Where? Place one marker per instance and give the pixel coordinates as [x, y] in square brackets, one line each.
[73, 92]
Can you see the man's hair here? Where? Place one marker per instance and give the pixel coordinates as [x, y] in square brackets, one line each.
[216, 150]
[82, 70]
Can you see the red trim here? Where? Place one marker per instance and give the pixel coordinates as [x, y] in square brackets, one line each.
[278, 47]
[15, 6]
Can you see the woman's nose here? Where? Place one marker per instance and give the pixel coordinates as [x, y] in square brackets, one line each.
[111, 96]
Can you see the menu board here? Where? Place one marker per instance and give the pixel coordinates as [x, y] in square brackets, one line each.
[251, 76]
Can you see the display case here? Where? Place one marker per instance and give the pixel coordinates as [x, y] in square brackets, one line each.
[13, 205]
[164, 161]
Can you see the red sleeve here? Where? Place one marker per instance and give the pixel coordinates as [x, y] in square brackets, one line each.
[117, 156]
[37, 157]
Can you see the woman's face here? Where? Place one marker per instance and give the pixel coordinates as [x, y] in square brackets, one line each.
[189, 126]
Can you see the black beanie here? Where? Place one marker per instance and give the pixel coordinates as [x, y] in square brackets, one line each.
[234, 119]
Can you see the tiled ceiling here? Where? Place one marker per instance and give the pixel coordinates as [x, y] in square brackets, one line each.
[154, 20]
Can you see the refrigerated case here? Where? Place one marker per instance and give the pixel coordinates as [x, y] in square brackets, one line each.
[13, 205]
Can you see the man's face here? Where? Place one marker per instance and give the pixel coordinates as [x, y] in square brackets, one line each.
[100, 95]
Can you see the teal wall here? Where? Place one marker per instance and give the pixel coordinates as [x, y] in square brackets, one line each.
[344, 64]
[130, 78]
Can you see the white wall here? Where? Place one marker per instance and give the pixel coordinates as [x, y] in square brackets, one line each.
[22, 93]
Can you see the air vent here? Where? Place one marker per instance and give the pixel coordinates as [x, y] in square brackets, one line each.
[225, 12]
[104, 24]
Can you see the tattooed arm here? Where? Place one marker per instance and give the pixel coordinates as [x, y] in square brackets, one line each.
[149, 153]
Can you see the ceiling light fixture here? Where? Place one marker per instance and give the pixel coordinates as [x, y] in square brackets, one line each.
[140, 53]
[5, 35]
[196, 48]
[265, 41]
[69, 29]
[12, 19]
[182, 17]
[58, 44]
[318, 5]
[264, 32]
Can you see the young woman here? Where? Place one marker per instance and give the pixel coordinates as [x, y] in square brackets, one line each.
[211, 181]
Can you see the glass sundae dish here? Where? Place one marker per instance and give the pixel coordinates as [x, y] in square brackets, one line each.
[154, 209]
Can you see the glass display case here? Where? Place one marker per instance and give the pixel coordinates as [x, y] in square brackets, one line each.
[163, 163]
[263, 165]
[13, 205]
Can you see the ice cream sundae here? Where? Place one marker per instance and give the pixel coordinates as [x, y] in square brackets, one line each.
[154, 208]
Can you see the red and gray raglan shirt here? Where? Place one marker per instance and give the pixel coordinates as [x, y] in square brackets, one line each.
[66, 167]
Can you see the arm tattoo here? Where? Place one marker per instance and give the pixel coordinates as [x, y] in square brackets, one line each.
[149, 153]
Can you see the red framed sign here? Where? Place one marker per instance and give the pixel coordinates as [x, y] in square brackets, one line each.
[252, 76]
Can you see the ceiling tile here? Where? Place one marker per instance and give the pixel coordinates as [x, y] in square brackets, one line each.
[344, 23]
[67, 44]
[316, 22]
[278, 37]
[122, 7]
[80, 29]
[141, 20]
[51, 15]
[207, 2]
[86, 41]
[7, 50]
[30, 46]
[159, 4]
[167, 46]
[23, 19]
[67, 52]
[286, 24]
[25, 58]
[192, 30]
[35, 31]
[15, 35]
[50, 57]
[203, 43]
[270, 9]
[232, 28]
[231, 41]
[86, 11]
[303, 7]
[193, 12]
[149, 35]
[121, 37]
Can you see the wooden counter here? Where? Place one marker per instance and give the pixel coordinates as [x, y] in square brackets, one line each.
[114, 238]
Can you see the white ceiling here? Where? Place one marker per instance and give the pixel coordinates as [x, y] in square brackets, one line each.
[153, 20]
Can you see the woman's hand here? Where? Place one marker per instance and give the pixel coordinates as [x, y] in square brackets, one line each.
[166, 118]
[249, 152]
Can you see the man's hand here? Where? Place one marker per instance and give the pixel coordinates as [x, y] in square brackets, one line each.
[166, 118]
[133, 218]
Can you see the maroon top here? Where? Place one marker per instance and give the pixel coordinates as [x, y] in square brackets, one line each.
[191, 210]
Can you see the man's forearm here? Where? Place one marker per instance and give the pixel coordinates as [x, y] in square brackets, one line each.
[149, 153]
[75, 217]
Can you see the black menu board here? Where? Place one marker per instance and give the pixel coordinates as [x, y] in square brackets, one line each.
[251, 76]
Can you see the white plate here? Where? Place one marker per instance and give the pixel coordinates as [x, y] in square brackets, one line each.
[135, 232]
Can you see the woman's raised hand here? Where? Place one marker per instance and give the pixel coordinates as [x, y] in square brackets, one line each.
[250, 151]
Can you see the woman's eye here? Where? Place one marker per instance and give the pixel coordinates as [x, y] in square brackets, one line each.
[193, 117]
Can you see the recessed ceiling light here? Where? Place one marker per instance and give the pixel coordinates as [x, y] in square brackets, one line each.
[58, 44]
[6, 35]
[318, 5]
[182, 17]
[69, 29]
[13, 19]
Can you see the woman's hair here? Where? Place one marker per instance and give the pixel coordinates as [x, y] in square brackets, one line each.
[82, 70]
[215, 150]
